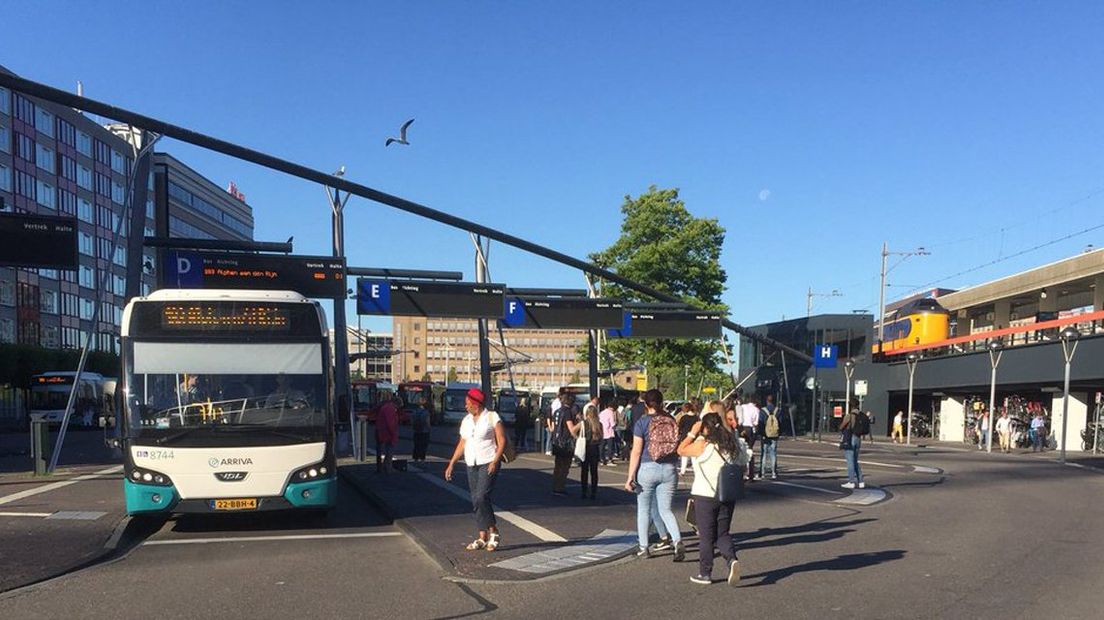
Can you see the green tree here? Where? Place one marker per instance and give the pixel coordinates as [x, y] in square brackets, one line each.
[665, 247]
[427, 377]
[452, 378]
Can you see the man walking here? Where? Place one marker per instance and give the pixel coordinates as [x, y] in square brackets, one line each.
[749, 425]
[853, 426]
[1004, 432]
[769, 429]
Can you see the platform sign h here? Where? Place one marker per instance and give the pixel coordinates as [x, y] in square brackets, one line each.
[373, 296]
[825, 355]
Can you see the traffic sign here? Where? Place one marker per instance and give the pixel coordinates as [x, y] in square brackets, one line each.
[436, 299]
[668, 324]
[38, 241]
[825, 355]
[562, 313]
[860, 387]
[311, 276]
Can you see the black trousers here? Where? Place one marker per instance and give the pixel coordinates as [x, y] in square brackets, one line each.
[421, 444]
[713, 520]
[559, 471]
[590, 467]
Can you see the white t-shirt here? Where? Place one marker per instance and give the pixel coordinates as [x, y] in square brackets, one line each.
[749, 415]
[897, 419]
[479, 438]
[1004, 425]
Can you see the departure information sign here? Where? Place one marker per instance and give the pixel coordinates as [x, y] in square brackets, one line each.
[669, 324]
[310, 276]
[243, 317]
[562, 313]
[38, 241]
[437, 299]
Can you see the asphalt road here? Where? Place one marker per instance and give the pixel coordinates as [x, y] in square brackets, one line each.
[967, 536]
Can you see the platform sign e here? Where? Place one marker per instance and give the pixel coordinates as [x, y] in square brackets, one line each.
[825, 355]
[373, 296]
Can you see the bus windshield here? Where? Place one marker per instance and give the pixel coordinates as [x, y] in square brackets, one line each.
[413, 397]
[455, 400]
[44, 400]
[206, 400]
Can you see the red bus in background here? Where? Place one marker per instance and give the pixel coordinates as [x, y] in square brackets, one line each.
[421, 395]
[368, 394]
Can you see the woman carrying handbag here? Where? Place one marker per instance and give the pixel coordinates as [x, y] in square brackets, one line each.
[719, 457]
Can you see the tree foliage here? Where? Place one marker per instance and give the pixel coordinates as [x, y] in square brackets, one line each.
[665, 247]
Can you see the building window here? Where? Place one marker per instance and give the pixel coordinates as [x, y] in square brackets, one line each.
[7, 293]
[118, 192]
[103, 184]
[24, 109]
[118, 163]
[24, 147]
[51, 274]
[103, 152]
[84, 210]
[47, 197]
[46, 159]
[120, 257]
[87, 279]
[103, 248]
[67, 202]
[84, 177]
[24, 184]
[86, 309]
[85, 244]
[44, 122]
[118, 284]
[5, 179]
[67, 133]
[7, 330]
[50, 337]
[5, 139]
[48, 301]
[149, 208]
[84, 144]
[70, 304]
[5, 101]
[68, 167]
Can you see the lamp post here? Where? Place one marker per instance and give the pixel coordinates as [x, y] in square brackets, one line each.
[996, 349]
[1068, 335]
[848, 371]
[911, 360]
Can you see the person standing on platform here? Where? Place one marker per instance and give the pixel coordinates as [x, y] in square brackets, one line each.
[482, 441]
[1038, 432]
[420, 426]
[769, 429]
[1004, 432]
[522, 422]
[560, 427]
[387, 434]
[899, 427]
[853, 426]
[608, 419]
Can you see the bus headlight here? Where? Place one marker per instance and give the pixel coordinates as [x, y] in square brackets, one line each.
[312, 472]
[147, 476]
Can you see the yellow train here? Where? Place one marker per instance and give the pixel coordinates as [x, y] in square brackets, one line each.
[921, 321]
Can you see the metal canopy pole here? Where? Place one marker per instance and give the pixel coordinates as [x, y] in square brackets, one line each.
[163, 128]
[341, 340]
[481, 276]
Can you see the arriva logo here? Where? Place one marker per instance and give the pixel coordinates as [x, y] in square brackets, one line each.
[217, 462]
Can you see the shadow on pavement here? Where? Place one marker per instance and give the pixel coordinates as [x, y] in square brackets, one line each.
[851, 561]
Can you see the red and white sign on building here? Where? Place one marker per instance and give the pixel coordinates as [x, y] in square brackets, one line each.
[233, 190]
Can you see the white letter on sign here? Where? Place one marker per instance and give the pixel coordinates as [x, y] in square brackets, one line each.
[826, 352]
[513, 306]
[183, 265]
[375, 291]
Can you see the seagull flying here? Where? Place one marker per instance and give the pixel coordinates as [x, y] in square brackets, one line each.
[402, 135]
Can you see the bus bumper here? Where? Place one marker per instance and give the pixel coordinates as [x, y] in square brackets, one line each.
[148, 498]
[314, 494]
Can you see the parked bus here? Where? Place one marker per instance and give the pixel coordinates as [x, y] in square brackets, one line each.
[508, 402]
[368, 394]
[50, 394]
[452, 404]
[420, 395]
[229, 403]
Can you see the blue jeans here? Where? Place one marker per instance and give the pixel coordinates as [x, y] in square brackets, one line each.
[608, 449]
[481, 485]
[653, 503]
[770, 453]
[854, 471]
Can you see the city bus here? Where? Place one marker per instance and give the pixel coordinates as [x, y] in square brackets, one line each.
[368, 394]
[508, 402]
[50, 394]
[453, 408]
[420, 395]
[228, 403]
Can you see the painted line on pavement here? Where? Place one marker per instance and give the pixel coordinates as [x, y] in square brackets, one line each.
[837, 460]
[26, 514]
[863, 497]
[805, 486]
[920, 469]
[204, 541]
[539, 531]
[7, 499]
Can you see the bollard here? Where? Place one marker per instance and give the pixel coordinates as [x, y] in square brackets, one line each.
[362, 439]
[40, 445]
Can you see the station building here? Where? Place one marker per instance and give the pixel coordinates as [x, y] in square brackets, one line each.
[1015, 321]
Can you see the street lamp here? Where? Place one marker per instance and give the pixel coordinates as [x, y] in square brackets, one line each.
[911, 360]
[996, 349]
[848, 370]
[1068, 335]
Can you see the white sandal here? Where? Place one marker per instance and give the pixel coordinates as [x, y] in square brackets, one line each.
[476, 544]
[492, 542]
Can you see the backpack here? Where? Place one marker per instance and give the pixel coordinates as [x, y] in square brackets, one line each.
[770, 427]
[860, 424]
[663, 436]
[563, 443]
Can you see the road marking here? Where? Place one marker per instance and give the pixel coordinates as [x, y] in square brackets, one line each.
[7, 499]
[25, 514]
[836, 460]
[204, 541]
[77, 515]
[920, 469]
[605, 545]
[539, 531]
[863, 497]
[805, 486]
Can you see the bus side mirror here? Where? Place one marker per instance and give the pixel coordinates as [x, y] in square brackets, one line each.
[114, 443]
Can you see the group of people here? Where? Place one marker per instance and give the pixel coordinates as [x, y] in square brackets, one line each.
[715, 440]
[1037, 431]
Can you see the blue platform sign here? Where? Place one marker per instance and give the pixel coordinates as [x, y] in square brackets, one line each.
[825, 355]
[183, 269]
[373, 296]
[626, 327]
[513, 312]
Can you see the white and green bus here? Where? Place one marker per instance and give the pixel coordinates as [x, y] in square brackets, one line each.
[228, 403]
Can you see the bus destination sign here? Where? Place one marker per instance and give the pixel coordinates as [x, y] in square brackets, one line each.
[38, 241]
[437, 299]
[201, 316]
[311, 276]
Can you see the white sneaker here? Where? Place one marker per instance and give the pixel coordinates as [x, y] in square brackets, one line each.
[862, 485]
[774, 476]
[848, 485]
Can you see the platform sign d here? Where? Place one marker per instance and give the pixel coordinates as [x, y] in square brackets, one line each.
[825, 355]
[183, 269]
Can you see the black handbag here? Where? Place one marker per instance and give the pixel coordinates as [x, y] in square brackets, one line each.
[845, 439]
[730, 483]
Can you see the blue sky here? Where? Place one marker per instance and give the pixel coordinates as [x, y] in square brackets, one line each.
[813, 131]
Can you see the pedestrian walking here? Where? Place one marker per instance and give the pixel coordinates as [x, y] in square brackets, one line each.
[635, 411]
[420, 427]
[563, 445]
[620, 427]
[983, 430]
[899, 427]
[769, 429]
[1004, 432]
[387, 434]
[590, 429]
[608, 419]
[852, 428]
[686, 419]
[711, 445]
[652, 475]
[749, 423]
[522, 423]
[1038, 432]
[482, 440]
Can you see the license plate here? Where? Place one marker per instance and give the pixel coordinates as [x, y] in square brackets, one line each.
[236, 504]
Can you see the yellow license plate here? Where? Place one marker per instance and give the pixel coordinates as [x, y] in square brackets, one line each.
[236, 504]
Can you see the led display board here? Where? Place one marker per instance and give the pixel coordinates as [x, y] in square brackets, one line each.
[669, 324]
[562, 313]
[38, 241]
[431, 299]
[310, 276]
